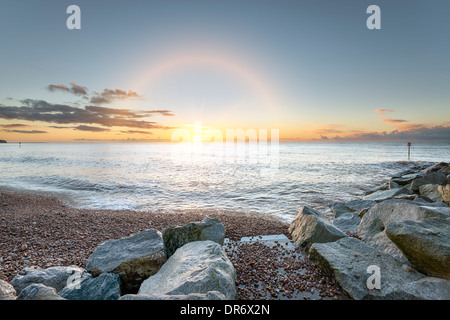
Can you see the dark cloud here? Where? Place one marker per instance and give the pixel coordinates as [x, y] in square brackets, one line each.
[75, 88]
[24, 131]
[40, 110]
[14, 125]
[109, 95]
[91, 129]
[417, 133]
[137, 131]
[389, 120]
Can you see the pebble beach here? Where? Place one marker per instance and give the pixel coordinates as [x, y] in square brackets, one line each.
[38, 229]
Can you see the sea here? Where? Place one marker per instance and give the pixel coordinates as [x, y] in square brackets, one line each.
[276, 179]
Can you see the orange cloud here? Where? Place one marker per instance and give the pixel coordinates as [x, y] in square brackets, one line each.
[382, 112]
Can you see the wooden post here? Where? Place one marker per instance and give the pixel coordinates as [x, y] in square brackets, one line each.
[409, 151]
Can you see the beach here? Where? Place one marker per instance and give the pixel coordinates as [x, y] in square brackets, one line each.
[40, 229]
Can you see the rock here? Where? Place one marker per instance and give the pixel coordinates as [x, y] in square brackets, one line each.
[134, 258]
[444, 191]
[436, 167]
[445, 170]
[413, 197]
[425, 243]
[310, 226]
[196, 267]
[348, 222]
[209, 229]
[54, 277]
[393, 185]
[104, 287]
[372, 226]
[382, 195]
[406, 179]
[429, 178]
[210, 295]
[353, 264]
[339, 208]
[39, 291]
[431, 192]
[7, 291]
[384, 186]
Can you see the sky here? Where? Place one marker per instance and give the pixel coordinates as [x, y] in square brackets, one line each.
[138, 70]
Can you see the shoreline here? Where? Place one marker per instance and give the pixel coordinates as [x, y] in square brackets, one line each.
[39, 229]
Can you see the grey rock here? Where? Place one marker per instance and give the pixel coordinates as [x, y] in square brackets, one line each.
[38, 291]
[436, 167]
[55, 277]
[382, 195]
[384, 186]
[431, 192]
[134, 258]
[393, 184]
[349, 261]
[425, 243]
[196, 267]
[209, 229]
[309, 226]
[446, 170]
[373, 224]
[444, 191]
[348, 222]
[339, 208]
[406, 179]
[7, 291]
[210, 295]
[429, 178]
[104, 287]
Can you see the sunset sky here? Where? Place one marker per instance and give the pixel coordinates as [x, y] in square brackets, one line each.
[139, 69]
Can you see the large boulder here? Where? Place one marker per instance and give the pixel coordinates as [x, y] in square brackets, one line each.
[7, 291]
[104, 287]
[429, 178]
[431, 192]
[210, 295]
[39, 291]
[436, 167]
[309, 226]
[383, 195]
[444, 191]
[372, 228]
[354, 266]
[340, 208]
[209, 229]
[134, 258]
[348, 222]
[196, 267]
[425, 243]
[406, 179]
[54, 277]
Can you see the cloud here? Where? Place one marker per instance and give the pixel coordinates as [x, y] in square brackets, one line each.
[91, 129]
[75, 88]
[24, 131]
[108, 96]
[14, 125]
[78, 90]
[40, 110]
[382, 112]
[389, 120]
[412, 132]
[137, 131]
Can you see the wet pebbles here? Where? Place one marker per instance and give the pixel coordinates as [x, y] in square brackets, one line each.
[39, 230]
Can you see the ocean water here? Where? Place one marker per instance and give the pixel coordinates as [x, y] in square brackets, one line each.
[274, 179]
